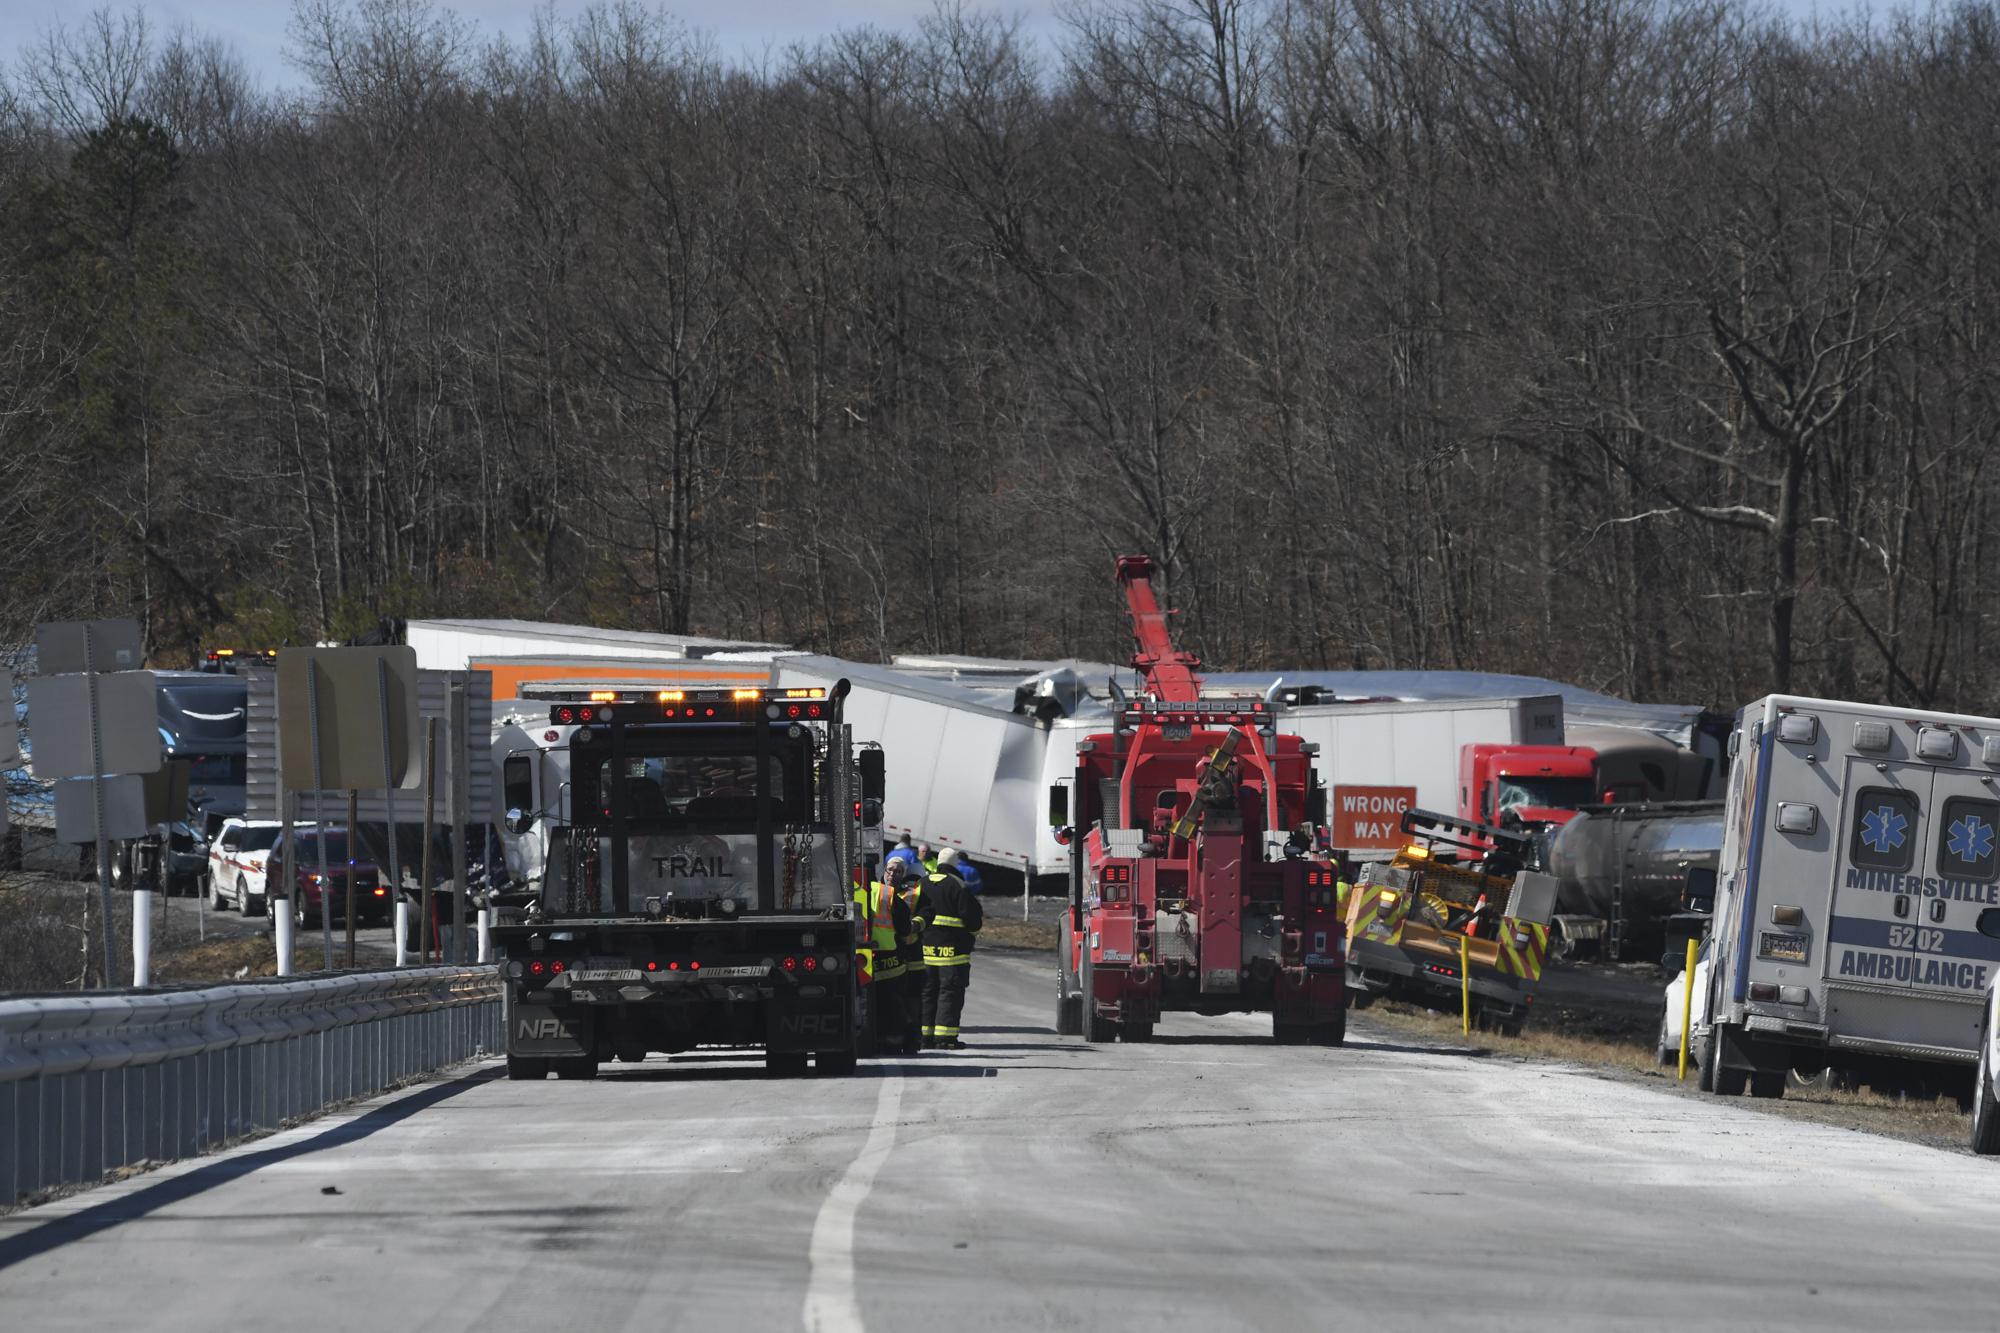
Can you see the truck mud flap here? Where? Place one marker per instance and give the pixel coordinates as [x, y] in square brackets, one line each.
[544, 1030]
[808, 1026]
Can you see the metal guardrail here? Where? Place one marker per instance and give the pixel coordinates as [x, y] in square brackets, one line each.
[90, 1083]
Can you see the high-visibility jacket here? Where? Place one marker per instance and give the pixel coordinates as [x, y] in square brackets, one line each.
[883, 935]
[910, 936]
[951, 917]
[871, 908]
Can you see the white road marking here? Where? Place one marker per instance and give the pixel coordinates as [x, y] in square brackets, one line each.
[832, 1305]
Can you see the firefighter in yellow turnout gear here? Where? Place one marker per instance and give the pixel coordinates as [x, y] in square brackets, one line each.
[949, 917]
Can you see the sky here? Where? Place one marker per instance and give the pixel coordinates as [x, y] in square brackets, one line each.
[256, 28]
[742, 29]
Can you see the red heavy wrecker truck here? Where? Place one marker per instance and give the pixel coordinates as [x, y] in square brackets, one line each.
[1193, 884]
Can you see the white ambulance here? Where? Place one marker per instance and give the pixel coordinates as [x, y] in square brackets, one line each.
[1861, 846]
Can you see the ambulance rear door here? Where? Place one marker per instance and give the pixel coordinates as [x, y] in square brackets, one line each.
[1950, 959]
[1920, 859]
[1878, 847]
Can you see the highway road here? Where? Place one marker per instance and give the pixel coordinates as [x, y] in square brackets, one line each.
[1206, 1181]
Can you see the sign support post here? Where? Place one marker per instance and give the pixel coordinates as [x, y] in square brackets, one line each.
[425, 933]
[319, 816]
[97, 799]
[288, 868]
[389, 783]
[459, 801]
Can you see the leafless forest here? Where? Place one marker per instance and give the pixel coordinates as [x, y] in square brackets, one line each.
[1646, 345]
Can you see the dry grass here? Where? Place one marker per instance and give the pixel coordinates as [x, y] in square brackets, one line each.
[1937, 1122]
[1039, 936]
[225, 959]
[1536, 1043]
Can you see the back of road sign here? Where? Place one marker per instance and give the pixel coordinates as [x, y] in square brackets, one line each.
[124, 809]
[128, 724]
[361, 702]
[71, 646]
[10, 732]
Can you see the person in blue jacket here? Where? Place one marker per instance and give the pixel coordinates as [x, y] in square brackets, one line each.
[903, 851]
[966, 870]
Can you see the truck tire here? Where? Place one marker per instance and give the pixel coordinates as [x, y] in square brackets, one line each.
[1096, 1028]
[785, 1064]
[1069, 1001]
[1715, 1076]
[1333, 1033]
[527, 1067]
[1135, 1032]
[834, 1064]
[1768, 1084]
[1985, 1109]
[576, 1066]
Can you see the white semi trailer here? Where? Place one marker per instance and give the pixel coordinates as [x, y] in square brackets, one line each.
[968, 770]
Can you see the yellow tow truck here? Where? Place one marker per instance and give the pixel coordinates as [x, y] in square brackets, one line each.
[1457, 896]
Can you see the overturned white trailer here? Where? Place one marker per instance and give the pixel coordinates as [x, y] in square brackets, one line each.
[962, 768]
[973, 744]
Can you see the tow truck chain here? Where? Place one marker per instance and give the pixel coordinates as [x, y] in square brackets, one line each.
[791, 866]
[804, 863]
[582, 883]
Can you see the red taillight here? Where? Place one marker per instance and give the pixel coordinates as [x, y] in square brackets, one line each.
[652, 967]
[536, 968]
[556, 966]
[694, 967]
[673, 967]
[791, 965]
[565, 715]
[812, 964]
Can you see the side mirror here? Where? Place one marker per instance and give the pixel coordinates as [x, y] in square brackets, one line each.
[1058, 806]
[1698, 890]
[871, 812]
[1989, 923]
[874, 786]
[1316, 805]
[519, 820]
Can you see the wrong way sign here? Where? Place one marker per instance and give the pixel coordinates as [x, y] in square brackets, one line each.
[1370, 818]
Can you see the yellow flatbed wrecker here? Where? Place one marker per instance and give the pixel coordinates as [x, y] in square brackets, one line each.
[1457, 901]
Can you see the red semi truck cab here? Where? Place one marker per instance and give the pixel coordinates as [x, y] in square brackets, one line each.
[1542, 785]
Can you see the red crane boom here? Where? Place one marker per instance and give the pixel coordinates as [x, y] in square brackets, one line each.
[1169, 673]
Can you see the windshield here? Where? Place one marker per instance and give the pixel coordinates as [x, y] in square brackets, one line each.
[1545, 793]
[336, 847]
[259, 839]
[699, 791]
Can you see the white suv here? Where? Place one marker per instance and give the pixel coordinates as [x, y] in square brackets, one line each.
[237, 864]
